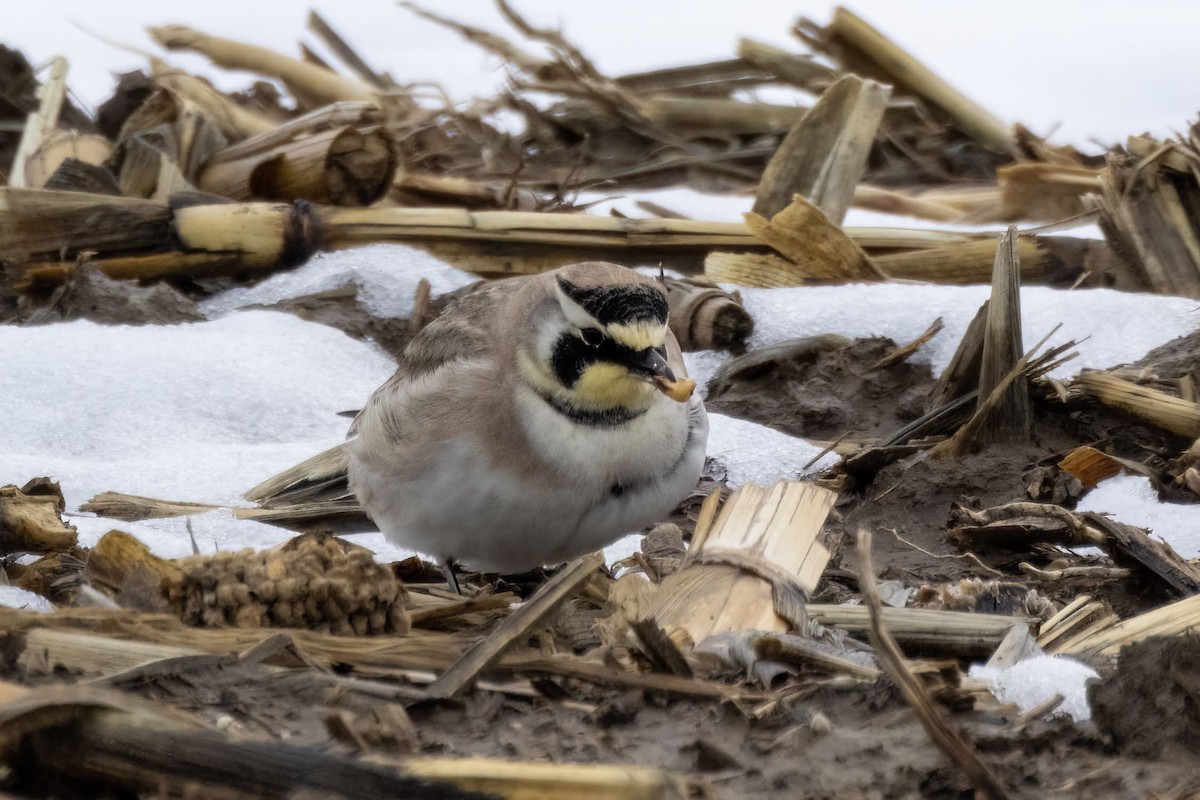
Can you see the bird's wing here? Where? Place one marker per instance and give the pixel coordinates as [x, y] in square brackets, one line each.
[461, 331]
[465, 329]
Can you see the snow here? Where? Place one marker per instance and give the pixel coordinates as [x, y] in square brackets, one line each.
[754, 453]
[16, 597]
[386, 274]
[197, 412]
[1033, 681]
[1118, 327]
[1133, 500]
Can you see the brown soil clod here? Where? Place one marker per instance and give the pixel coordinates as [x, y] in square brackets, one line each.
[1150, 706]
[820, 388]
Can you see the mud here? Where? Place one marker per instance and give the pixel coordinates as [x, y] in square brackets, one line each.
[90, 294]
[1173, 360]
[343, 311]
[1150, 706]
[830, 745]
[827, 393]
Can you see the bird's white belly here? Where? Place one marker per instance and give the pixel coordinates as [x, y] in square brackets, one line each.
[495, 520]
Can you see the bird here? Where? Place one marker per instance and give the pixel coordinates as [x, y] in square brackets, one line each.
[536, 419]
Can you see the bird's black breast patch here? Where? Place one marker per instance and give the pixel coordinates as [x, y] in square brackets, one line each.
[609, 304]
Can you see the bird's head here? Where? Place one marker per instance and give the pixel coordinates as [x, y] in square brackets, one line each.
[603, 343]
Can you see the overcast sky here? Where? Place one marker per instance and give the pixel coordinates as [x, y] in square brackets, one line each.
[1103, 69]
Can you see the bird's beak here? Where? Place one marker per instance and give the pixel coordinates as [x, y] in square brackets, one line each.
[651, 365]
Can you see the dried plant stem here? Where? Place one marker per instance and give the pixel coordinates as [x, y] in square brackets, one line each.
[892, 661]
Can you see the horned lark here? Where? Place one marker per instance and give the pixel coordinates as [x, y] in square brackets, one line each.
[536, 419]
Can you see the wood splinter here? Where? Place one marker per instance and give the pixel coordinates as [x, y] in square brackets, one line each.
[517, 624]
[892, 660]
[752, 568]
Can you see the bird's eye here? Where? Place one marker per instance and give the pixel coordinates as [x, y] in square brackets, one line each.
[592, 337]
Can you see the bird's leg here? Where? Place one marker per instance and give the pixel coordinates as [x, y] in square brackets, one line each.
[448, 566]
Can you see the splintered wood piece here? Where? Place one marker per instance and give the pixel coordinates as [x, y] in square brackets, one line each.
[1067, 619]
[1150, 405]
[961, 263]
[704, 316]
[799, 70]
[876, 55]
[341, 166]
[61, 146]
[40, 124]
[1089, 465]
[892, 661]
[924, 630]
[117, 556]
[1173, 619]
[756, 270]
[746, 572]
[962, 373]
[164, 144]
[30, 523]
[817, 247]
[236, 121]
[1017, 646]
[314, 83]
[1132, 547]
[904, 351]
[125, 742]
[1019, 525]
[519, 780]
[517, 624]
[824, 155]
[131, 507]
[1147, 207]
[1036, 190]
[1011, 419]
[1031, 364]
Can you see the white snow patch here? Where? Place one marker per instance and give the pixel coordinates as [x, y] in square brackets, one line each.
[16, 597]
[1132, 499]
[197, 412]
[1033, 681]
[386, 275]
[754, 453]
[1119, 327]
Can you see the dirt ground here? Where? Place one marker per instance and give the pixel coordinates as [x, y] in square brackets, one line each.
[821, 739]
